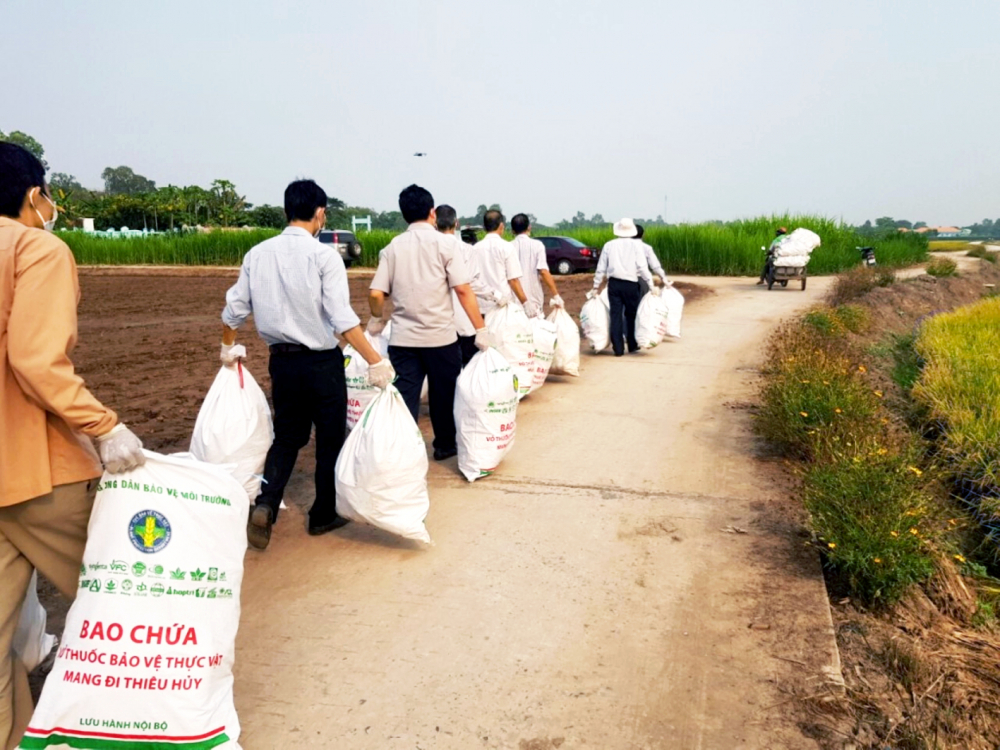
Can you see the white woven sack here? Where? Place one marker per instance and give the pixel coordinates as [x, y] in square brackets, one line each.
[674, 302]
[147, 653]
[382, 470]
[511, 334]
[546, 342]
[595, 319]
[792, 261]
[650, 321]
[566, 360]
[31, 643]
[359, 392]
[233, 427]
[485, 413]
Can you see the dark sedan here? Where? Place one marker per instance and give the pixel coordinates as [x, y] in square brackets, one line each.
[567, 255]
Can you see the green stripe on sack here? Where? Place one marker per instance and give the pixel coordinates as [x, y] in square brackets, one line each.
[101, 743]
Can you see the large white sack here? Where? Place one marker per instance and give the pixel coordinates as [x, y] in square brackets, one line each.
[802, 241]
[359, 392]
[567, 356]
[147, 652]
[546, 341]
[650, 321]
[595, 319]
[792, 261]
[31, 643]
[511, 333]
[234, 427]
[485, 413]
[382, 470]
[674, 302]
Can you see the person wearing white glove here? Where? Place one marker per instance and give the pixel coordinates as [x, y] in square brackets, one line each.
[557, 301]
[499, 266]
[297, 290]
[375, 326]
[381, 374]
[424, 270]
[232, 353]
[482, 339]
[534, 261]
[49, 469]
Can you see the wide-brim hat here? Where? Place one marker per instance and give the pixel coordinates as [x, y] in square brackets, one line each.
[625, 228]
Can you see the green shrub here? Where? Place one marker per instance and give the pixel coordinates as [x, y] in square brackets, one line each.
[906, 361]
[942, 268]
[867, 510]
[980, 251]
[824, 321]
[854, 318]
[854, 284]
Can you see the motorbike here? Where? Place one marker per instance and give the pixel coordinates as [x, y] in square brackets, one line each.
[867, 256]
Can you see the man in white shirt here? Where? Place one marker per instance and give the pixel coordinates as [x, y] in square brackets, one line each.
[534, 264]
[447, 223]
[419, 269]
[623, 262]
[651, 260]
[296, 288]
[499, 266]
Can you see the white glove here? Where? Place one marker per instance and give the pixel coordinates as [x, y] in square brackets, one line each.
[381, 374]
[482, 339]
[557, 301]
[591, 294]
[666, 282]
[375, 326]
[530, 309]
[232, 352]
[500, 298]
[120, 449]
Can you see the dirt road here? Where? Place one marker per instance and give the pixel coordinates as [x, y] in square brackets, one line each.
[631, 578]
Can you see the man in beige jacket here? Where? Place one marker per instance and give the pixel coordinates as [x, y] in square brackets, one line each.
[48, 466]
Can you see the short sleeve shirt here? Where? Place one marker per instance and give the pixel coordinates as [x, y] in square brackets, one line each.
[418, 270]
[531, 254]
[498, 264]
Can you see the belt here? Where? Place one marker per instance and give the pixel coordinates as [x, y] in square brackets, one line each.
[288, 348]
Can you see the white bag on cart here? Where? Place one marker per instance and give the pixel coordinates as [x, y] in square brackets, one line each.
[485, 413]
[359, 392]
[546, 343]
[382, 470]
[566, 360]
[234, 427]
[595, 319]
[674, 302]
[511, 334]
[650, 321]
[147, 653]
[31, 643]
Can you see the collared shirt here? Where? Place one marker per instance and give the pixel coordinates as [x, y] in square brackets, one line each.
[462, 322]
[652, 261]
[418, 270]
[296, 288]
[622, 258]
[498, 263]
[46, 411]
[531, 254]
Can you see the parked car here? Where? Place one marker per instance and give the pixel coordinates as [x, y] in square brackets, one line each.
[566, 255]
[471, 234]
[343, 242]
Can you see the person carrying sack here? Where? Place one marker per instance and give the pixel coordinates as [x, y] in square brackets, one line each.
[623, 263]
[535, 265]
[419, 270]
[49, 470]
[655, 267]
[296, 287]
[499, 267]
[447, 223]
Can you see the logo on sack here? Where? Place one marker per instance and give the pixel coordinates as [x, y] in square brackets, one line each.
[347, 361]
[149, 531]
[516, 384]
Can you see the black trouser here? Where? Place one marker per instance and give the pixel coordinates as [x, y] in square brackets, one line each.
[441, 366]
[623, 297]
[643, 288]
[468, 346]
[767, 268]
[307, 389]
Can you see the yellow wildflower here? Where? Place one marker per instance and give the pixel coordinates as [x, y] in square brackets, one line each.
[952, 521]
[882, 451]
[804, 413]
[878, 560]
[878, 393]
[862, 368]
[804, 381]
[831, 545]
[894, 533]
[960, 558]
[837, 411]
[916, 471]
[914, 530]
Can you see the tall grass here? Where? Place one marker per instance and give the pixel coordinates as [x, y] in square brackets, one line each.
[960, 385]
[709, 249]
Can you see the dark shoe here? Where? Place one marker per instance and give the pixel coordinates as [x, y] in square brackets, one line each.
[259, 527]
[443, 455]
[321, 527]
[619, 354]
[760, 283]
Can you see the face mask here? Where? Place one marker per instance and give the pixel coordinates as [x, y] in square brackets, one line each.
[321, 225]
[51, 223]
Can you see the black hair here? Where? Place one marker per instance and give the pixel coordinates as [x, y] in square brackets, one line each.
[492, 220]
[416, 204]
[20, 171]
[447, 217]
[302, 198]
[639, 231]
[520, 223]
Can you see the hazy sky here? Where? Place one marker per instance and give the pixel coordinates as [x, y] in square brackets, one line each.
[853, 108]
